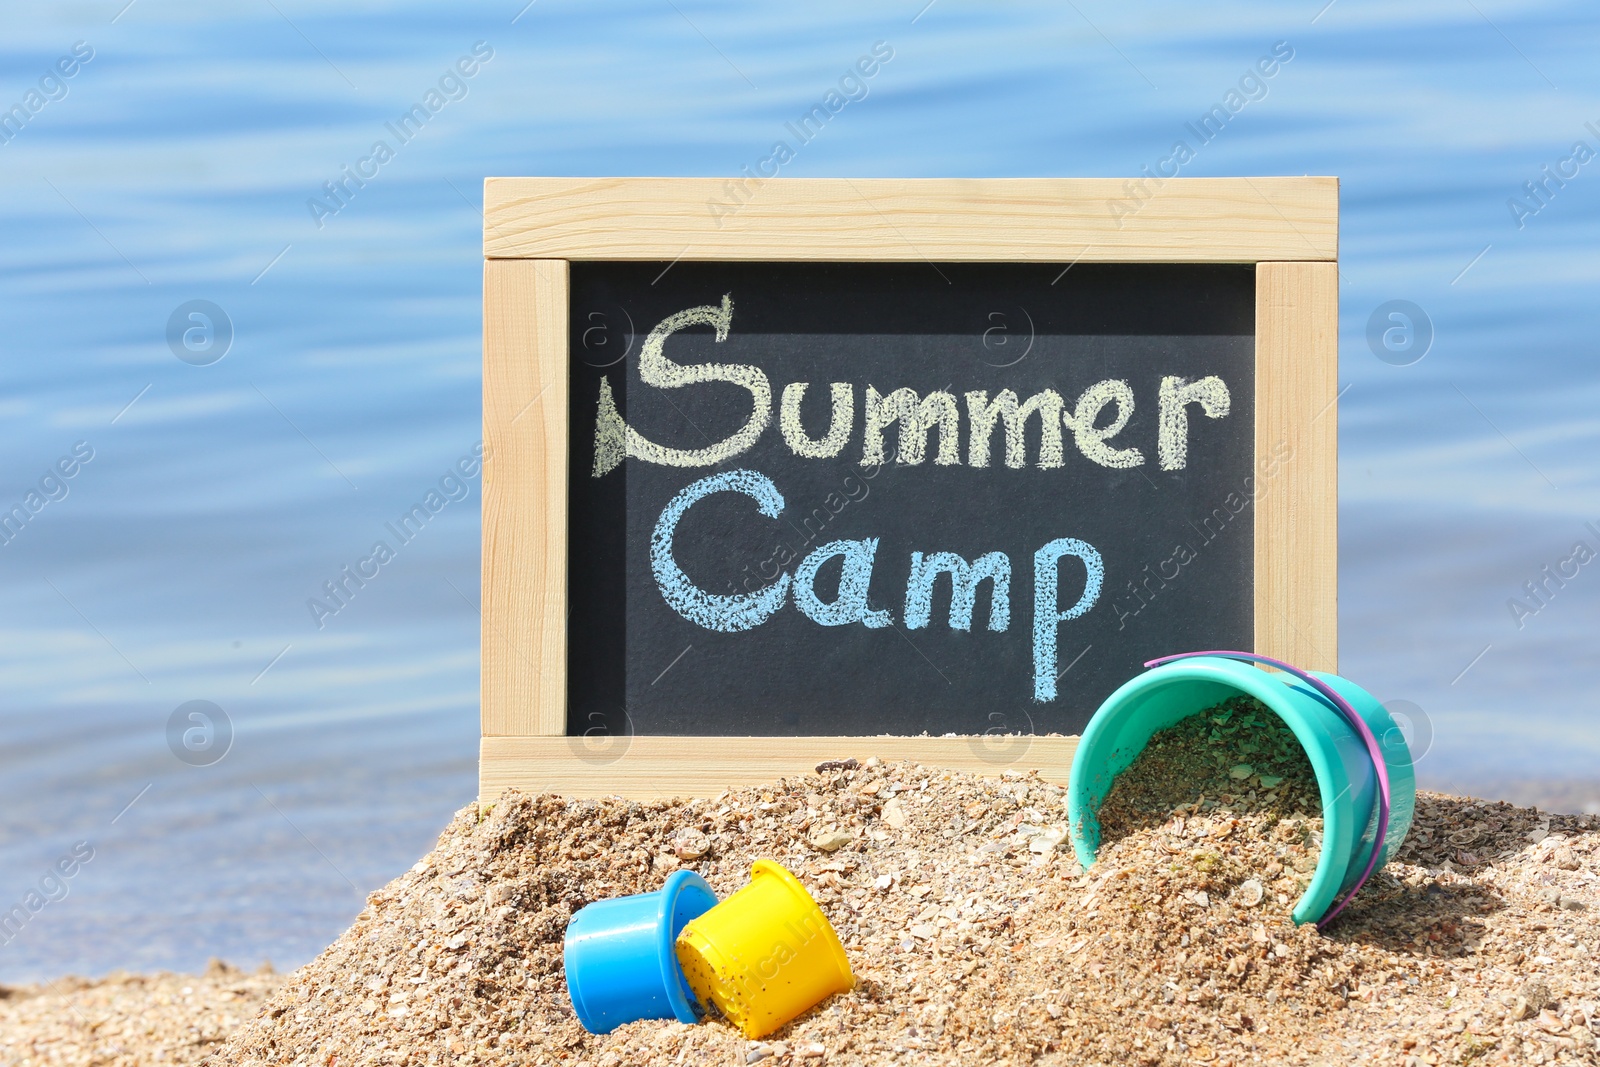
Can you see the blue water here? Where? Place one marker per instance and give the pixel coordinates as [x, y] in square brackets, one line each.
[176, 165]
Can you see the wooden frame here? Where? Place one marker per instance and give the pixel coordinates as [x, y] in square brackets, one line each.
[533, 227]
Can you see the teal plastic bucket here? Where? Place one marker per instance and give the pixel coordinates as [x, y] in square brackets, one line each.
[1340, 752]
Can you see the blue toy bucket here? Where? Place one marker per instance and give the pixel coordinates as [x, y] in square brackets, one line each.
[1362, 764]
[619, 955]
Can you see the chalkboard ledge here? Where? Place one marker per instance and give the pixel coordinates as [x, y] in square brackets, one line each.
[651, 767]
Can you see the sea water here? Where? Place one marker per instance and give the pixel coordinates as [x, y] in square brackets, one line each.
[241, 272]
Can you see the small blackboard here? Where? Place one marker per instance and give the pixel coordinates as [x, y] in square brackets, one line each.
[1012, 376]
[782, 472]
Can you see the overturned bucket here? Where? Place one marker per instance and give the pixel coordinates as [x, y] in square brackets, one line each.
[619, 955]
[1360, 758]
[766, 954]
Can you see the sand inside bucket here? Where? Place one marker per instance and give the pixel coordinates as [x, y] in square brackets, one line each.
[1227, 792]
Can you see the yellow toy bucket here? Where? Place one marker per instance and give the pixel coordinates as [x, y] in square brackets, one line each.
[764, 955]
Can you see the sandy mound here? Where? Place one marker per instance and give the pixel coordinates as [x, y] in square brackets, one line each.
[974, 937]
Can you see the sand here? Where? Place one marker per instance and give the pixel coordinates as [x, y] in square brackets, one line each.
[128, 1020]
[973, 934]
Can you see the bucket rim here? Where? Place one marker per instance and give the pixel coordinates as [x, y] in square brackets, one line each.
[685, 1005]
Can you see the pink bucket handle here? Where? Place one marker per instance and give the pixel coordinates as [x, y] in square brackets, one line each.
[1357, 723]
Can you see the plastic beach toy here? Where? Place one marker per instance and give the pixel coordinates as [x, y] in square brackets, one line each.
[619, 957]
[1362, 764]
[764, 955]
